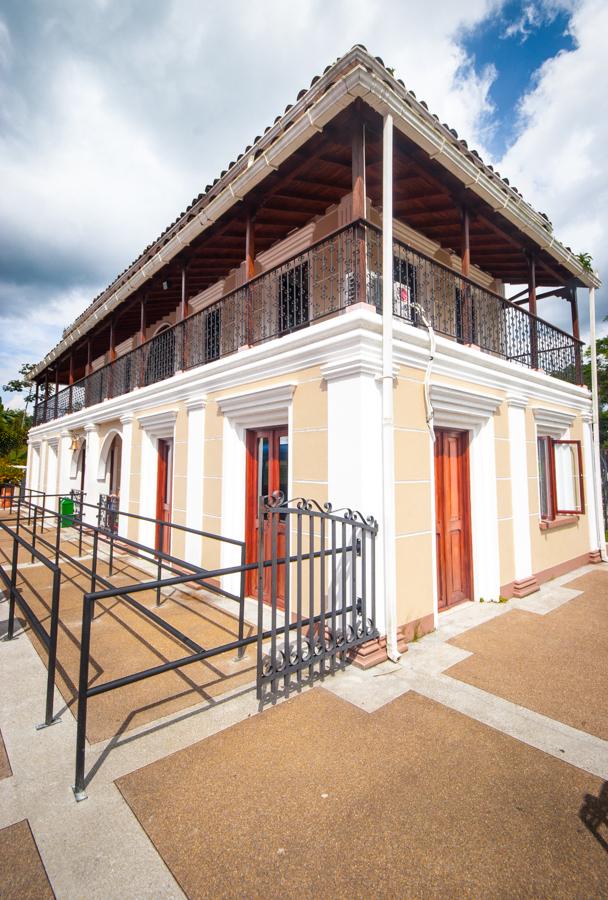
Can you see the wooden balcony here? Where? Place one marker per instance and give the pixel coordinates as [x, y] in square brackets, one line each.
[328, 277]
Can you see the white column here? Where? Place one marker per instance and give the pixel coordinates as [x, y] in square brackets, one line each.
[484, 512]
[525, 583]
[597, 471]
[51, 469]
[125, 471]
[194, 477]
[388, 437]
[33, 464]
[590, 505]
[354, 449]
[65, 462]
[91, 483]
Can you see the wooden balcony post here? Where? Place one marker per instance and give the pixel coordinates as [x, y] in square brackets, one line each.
[576, 334]
[36, 403]
[183, 312]
[89, 361]
[46, 392]
[71, 381]
[247, 333]
[56, 389]
[142, 338]
[532, 310]
[359, 210]
[112, 357]
[468, 336]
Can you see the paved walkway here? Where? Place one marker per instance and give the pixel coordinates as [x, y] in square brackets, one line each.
[438, 784]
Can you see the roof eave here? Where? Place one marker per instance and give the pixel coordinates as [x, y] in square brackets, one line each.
[362, 76]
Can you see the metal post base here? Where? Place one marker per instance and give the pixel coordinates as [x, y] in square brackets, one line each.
[79, 796]
[240, 657]
[42, 725]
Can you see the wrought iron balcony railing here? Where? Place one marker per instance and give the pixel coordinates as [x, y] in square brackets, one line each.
[336, 272]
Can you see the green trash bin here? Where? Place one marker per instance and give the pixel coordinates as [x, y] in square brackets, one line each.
[67, 512]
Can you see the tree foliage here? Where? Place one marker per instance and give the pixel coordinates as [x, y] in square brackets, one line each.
[601, 346]
[19, 385]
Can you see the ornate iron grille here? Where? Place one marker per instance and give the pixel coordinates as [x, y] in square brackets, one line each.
[334, 273]
[161, 357]
[108, 513]
[460, 309]
[293, 298]
[320, 575]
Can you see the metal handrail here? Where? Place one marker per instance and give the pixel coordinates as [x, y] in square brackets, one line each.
[15, 596]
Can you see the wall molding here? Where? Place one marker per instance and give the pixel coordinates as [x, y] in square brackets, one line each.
[159, 425]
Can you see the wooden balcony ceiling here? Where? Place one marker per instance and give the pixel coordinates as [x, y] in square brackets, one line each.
[426, 197]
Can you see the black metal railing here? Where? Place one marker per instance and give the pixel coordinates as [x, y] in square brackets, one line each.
[320, 575]
[459, 308]
[332, 274]
[320, 583]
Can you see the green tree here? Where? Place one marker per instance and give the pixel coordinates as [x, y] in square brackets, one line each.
[19, 385]
[601, 346]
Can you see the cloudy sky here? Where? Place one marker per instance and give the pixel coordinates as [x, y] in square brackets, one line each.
[115, 113]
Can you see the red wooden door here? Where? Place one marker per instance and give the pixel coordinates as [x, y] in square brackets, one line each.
[164, 482]
[453, 518]
[267, 465]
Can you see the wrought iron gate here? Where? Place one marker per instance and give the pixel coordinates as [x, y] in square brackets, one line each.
[322, 572]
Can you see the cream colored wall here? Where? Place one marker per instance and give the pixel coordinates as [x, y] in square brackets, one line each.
[414, 500]
[307, 448]
[556, 545]
[414, 497]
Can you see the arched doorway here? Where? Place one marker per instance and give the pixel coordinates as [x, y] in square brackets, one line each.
[81, 464]
[113, 466]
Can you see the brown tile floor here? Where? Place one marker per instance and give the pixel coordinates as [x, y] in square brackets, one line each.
[317, 798]
[22, 874]
[124, 641]
[5, 766]
[556, 664]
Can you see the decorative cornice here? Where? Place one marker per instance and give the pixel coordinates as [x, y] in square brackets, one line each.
[517, 400]
[270, 405]
[455, 406]
[126, 418]
[90, 427]
[551, 421]
[159, 425]
[195, 403]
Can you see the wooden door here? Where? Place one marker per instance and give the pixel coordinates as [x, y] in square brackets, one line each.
[453, 517]
[267, 465]
[164, 483]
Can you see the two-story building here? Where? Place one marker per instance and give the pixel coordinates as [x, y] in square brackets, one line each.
[329, 319]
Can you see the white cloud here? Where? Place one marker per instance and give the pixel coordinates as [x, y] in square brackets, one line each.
[559, 160]
[113, 122]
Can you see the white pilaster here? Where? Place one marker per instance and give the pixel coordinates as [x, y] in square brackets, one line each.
[51, 470]
[33, 464]
[354, 448]
[389, 547]
[125, 471]
[65, 462]
[91, 482]
[520, 502]
[194, 476]
[588, 468]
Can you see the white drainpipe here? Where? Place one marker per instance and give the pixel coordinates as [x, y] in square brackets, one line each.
[597, 471]
[388, 440]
